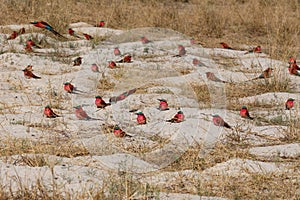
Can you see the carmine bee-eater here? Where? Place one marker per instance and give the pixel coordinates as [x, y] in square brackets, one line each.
[49, 112]
[87, 36]
[126, 59]
[244, 113]
[21, 31]
[266, 74]
[112, 64]
[28, 73]
[179, 117]
[289, 103]
[163, 105]
[28, 48]
[119, 133]
[181, 51]
[225, 46]
[100, 103]
[141, 119]
[73, 33]
[45, 25]
[121, 96]
[292, 60]
[145, 40]
[13, 35]
[77, 61]
[117, 51]
[81, 114]
[255, 50]
[294, 69]
[197, 62]
[211, 76]
[32, 43]
[218, 121]
[68, 87]
[95, 67]
[100, 24]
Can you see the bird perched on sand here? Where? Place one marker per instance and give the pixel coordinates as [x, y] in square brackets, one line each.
[45, 25]
[225, 45]
[13, 35]
[211, 76]
[255, 50]
[28, 73]
[95, 68]
[117, 51]
[244, 113]
[265, 74]
[141, 119]
[179, 117]
[125, 59]
[21, 31]
[181, 51]
[81, 114]
[145, 40]
[163, 105]
[112, 65]
[119, 133]
[294, 69]
[87, 36]
[197, 62]
[289, 103]
[122, 96]
[100, 103]
[68, 87]
[101, 24]
[77, 61]
[219, 121]
[49, 112]
[73, 33]
[32, 44]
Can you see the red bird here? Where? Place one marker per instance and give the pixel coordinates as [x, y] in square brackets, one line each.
[218, 121]
[68, 87]
[73, 33]
[21, 31]
[28, 73]
[255, 50]
[121, 96]
[126, 59]
[181, 51]
[294, 69]
[49, 112]
[13, 35]
[266, 74]
[32, 43]
[292, 60]
[289, 103]
[28, 48]
[119, 133]
[94, 68]
[141, 119]
[179, 117]
[45, 25]
[100, 103]
[197, 62]
[112, 65]
[145, 40]
[101, 24]
[117, 51]
[211, 76]
[81, 114]
[163, 105]
[87, 36]
[244, 113]
[77, 61]
[225, 46]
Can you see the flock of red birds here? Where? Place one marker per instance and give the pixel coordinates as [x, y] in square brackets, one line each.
[163, 105]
